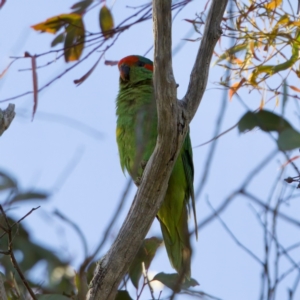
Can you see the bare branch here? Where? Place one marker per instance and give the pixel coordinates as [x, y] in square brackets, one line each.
[11, 252]
[199, 75]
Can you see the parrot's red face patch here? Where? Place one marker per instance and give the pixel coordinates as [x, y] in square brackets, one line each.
[127, 62]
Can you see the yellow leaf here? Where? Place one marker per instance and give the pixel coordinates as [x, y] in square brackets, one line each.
[273, 4]
[295, 23]
[277, 101]
[52, 25]
[106, 22]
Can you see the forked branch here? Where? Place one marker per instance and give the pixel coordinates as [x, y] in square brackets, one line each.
[171, 114]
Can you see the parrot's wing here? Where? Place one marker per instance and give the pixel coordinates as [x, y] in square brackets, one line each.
[187, 159]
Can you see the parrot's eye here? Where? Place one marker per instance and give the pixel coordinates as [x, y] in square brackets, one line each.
[140, 63]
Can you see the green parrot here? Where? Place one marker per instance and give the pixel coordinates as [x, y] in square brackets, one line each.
[136, 137]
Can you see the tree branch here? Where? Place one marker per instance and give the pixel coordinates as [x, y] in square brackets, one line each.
[114, 265]
[199, 75]
[6, 117]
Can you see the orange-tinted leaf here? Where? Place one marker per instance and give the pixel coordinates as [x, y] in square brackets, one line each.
[295, 23]
[87, 74]
[52, 25]
[106, 22]
[262, 104]
[6, 69]
[290, 160]
[273, 4]
[74, 41]
[294, 88]
[237, 61]
[233, 89]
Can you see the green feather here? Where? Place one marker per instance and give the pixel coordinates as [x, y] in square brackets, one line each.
[136, 138]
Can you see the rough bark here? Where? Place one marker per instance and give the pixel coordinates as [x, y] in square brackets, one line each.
[171, 114]
[6, 117]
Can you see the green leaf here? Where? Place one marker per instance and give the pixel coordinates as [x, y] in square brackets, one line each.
[123, 295]
[271, 70]
[285, 96]
[265, 120]
[59, 39]
[230, 52]
[81, 6]
[52, 297]
[7, 182]
[29, 196]
[74, 41]
[172, 281]
[288, 139]
[106, 22]
[144, 255]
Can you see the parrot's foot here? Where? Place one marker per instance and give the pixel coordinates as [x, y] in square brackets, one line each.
[138, 181]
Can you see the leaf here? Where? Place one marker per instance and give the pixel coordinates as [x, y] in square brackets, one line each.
[172, 281]
[74, 41]
[233, 50]
[29, 196]
[294, 88]
[145, 255]
[265, 120]
[35, 85]
[290, 160]
[81, 6]
[288, 139]
[106, 22]
[273, 4]
[233, 89]
[285, 96]
[59, 39]
[52, 25]
[7, 182]
[123, 295]
[271, 70]
[88, 73]
[52, 297]
[251, 47]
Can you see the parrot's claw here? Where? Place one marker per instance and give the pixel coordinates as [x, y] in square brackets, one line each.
[138, 181]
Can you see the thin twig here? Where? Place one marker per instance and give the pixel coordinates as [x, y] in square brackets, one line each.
[76, 229]
[11, 253]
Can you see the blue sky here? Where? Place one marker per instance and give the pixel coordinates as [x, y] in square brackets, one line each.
[70, 150]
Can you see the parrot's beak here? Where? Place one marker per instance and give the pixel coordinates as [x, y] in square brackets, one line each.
[124, 72]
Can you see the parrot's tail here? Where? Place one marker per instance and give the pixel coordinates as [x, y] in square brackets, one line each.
[177, 242]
